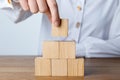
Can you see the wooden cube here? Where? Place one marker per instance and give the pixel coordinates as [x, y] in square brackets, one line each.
[76, 67]
[67, 50]
[59, 67]
[62, 30]
[42, 67]
[50, 49]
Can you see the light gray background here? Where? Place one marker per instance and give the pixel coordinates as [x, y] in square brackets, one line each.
[21, 38]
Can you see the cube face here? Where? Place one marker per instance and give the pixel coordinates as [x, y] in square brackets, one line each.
[59, 67]
[81, 67]
[76, 67]
[50, 49]
[67, 50]
[72, 67]
[62, 30]
[42, 67]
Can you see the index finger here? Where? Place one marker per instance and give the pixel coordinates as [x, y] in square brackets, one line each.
[52, 4]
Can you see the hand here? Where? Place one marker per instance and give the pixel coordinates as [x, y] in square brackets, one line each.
[48, 7]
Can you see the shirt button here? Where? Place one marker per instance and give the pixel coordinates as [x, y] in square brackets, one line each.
[79, 8]
[77, 24]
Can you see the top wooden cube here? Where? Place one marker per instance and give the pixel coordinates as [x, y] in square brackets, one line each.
[62, 30]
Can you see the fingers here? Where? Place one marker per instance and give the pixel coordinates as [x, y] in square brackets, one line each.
[54, 12]
[29, 5]
[43, 8]
[33, 6]
[49, 7]
[24, 4]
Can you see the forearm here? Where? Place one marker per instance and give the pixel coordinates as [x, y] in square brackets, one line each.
[94, 47]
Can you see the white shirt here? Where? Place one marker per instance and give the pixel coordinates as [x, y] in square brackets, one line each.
[93, 24]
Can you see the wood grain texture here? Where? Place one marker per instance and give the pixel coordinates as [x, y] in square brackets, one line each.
[67, 49]
[72, 67]
[59, 78]
[22, 68]
[62, 30]
[80, 67]
[76, 67]
[59, 67]
[42, 67]
[50, 49]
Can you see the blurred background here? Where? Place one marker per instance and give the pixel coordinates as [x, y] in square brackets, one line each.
[21, 38]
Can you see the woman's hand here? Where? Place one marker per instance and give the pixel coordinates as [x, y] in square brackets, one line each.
[48, 7]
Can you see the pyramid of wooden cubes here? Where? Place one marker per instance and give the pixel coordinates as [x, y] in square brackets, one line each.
[59, 56]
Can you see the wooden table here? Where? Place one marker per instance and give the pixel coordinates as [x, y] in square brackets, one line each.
[22, 68]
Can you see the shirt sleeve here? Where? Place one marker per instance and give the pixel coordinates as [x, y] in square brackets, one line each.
[96, 47]
[17, 14]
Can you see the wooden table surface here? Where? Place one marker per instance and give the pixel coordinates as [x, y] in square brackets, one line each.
[22, 68]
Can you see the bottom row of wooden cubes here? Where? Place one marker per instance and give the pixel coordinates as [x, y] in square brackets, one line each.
[59, 67]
